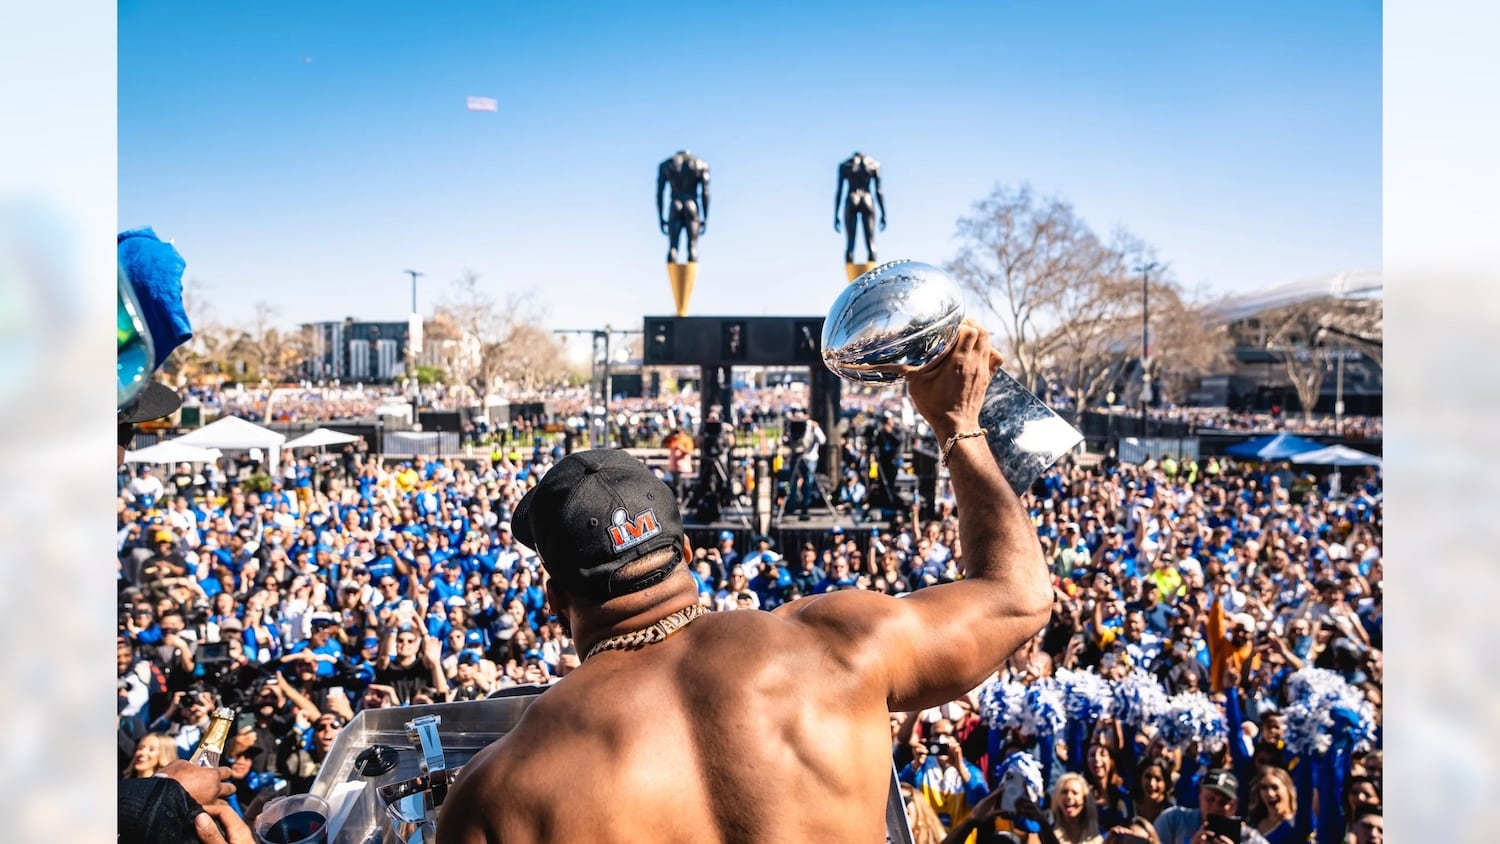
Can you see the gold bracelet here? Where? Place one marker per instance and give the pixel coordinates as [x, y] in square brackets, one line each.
[963, 435]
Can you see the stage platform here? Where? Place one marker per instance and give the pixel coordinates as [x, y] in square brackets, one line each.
[788, 531]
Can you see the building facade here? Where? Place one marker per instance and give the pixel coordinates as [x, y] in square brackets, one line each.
[355, 351]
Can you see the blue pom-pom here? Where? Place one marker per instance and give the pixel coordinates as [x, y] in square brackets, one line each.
[1088, 696]
[1138, 699]
[1323, 709]
[1045, 713]
[1001, 705]
[1192, 717]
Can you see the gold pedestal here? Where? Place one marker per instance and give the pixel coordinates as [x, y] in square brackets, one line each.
[856, 270]
[681, 277]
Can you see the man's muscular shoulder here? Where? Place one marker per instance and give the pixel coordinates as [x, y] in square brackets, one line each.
[472, 814]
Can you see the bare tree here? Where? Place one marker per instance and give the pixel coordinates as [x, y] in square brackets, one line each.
[1027, 260]
[534, 358]
[1188, 343]
[1360, 325]
[503, 331]
[1304, 332]
[1296, 332]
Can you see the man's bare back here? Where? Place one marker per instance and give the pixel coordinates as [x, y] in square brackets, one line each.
[739, 728]
[743, 726]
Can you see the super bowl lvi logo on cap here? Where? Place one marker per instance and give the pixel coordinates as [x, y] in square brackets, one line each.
[626, 533]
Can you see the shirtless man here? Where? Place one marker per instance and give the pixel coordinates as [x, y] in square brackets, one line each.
[862, 174]
[742, 726]
[687, 175]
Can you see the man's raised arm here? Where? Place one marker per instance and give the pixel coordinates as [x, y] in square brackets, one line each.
[941, 641]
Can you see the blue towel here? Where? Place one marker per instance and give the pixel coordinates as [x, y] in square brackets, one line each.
[155, 272]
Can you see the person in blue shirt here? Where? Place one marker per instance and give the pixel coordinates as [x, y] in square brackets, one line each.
[762, 555]
[278, 496]
[383, 563]
[364, 662]
[436, 620]
[449, 583]
[703, 575]
[531, 596]
[302, 483]
[770, 584]
[952, 784]
[320, 648]
[807, 575]
[728, 557]
[839, 576]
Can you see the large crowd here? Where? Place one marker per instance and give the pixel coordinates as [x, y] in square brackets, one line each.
[1214, 649]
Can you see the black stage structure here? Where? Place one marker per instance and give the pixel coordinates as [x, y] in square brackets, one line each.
[716, 345]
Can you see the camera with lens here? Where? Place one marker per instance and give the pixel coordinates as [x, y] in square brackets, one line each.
[198, 615]
[713, 437]
[239, 684]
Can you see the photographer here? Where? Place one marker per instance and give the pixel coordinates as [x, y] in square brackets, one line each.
[187, 718]
[888, 442]
[716, 441]
[803, 437]
[951, 783]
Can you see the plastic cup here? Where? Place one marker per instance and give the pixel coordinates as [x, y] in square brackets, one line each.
[294, 819]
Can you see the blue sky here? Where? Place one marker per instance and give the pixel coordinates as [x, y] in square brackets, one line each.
[304, 154]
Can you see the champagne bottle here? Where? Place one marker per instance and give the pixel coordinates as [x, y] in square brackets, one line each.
[211, 748]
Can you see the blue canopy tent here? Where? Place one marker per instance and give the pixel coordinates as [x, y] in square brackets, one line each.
[1277, 447]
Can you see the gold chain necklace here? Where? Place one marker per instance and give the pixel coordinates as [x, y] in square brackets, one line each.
[657, 632]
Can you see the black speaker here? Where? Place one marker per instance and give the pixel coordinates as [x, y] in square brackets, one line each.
[661, 341]
[728, 341]
[807, 340]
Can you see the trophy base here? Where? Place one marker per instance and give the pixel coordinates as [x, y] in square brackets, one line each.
[681, 277]
[1025, 435]
[855, 270]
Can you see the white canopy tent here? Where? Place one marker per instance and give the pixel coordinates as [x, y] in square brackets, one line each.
[172, 451]
[320, 437]
[235, 433]
[1337, 455]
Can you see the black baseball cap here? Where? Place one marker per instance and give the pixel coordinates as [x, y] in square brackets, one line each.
[594, 512]
[1223, 782]
[154, 402]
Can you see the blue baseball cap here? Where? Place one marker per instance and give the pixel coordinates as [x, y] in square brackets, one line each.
[726, 535]
[474, 637]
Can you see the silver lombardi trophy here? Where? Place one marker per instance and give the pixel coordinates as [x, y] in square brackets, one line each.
[903, 316]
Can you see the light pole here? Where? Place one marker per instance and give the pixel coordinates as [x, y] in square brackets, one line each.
[411, 351]
[1338, 393]
[1145, 271]
[414, 276]
[1109, 400]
